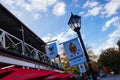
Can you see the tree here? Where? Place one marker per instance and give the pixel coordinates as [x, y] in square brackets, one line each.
[118, 43]
[66, 67]
[110, 58]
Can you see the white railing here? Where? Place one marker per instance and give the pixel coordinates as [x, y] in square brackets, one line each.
[14, 44]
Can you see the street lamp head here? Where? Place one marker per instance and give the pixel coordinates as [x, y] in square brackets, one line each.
[75, 22]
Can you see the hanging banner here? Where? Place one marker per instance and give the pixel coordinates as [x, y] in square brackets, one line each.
[82, 68]
[51, 50]
[74, 52]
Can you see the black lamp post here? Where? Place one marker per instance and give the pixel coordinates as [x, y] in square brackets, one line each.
[75, 25]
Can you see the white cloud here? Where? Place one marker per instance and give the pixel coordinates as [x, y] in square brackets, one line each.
[111, 42]
[89, 4]
[75, 3]
[59, 9]
[82, 13]
[41, 5]
[35, 6]
[38, 5]
[93, 44]
[94, 11]
[104, 10]
[110, 22]
[75, 0]
[36, 16]
[111, 8]
[61, 37]
[112, 39]
[8, 1]
[93, 8]
[31, 6]
[47, 38]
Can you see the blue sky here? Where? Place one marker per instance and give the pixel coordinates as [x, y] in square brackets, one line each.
[48, 19]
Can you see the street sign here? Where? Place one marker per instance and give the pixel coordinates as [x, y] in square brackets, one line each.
[82, 68]
[51, 50]
[74, 52]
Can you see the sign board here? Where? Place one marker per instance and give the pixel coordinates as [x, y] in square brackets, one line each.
[51, 50]
[82, 68]
[74, 52]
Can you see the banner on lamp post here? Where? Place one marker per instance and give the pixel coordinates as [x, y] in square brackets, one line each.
[82, 68]
[74, 52]
[51, 50]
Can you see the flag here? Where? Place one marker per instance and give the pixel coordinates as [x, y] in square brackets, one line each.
[51, 50]
[74, 52]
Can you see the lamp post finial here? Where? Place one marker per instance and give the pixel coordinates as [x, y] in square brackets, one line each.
[71, 14]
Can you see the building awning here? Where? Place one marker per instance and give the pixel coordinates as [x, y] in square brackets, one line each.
[23, 74]
[12, 25]
[5, 72]
[57, 76]
[33, 74]
[60, 76]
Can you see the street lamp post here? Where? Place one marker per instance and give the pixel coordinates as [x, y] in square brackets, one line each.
[75, 25]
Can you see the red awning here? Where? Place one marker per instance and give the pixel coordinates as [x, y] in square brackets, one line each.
[54, 76]
[5, 72]
[22, 74]
[2, 71]
[32, 74]
[67, 77]
[60, 76]
[71, 75]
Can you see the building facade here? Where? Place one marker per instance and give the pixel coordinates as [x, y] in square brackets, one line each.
[19, 46]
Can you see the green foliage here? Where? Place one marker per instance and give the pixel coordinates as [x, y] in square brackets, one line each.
[110, 58]
[67, 68]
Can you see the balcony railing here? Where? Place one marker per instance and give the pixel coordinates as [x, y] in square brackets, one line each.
[14, 44]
